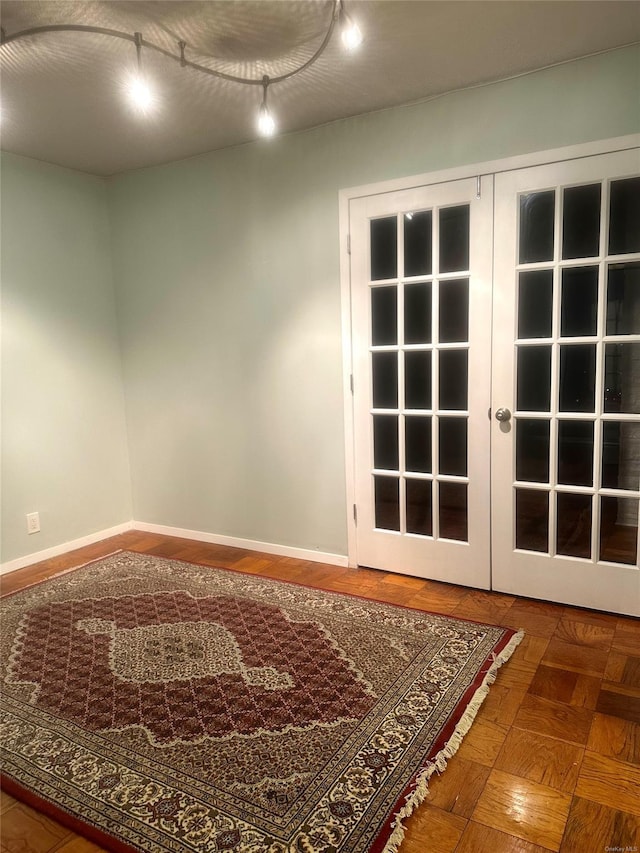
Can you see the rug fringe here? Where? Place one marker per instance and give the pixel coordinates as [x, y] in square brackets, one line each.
[439, 763]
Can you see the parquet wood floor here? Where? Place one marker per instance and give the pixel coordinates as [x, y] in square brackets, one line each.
[552, 761]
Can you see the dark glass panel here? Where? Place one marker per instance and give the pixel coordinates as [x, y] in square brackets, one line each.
[624, 219]
[418, 243]
[452, 505]
[384, 316]
[623, 299]
[532, 520]
[622, 378]
[384, 248]
[581, 222]
[417, 313]
[575, 453]
[534, 379]
[578, 378]
[621, 455]
[579, 314]
[532, 450]
[417, 380]
[385, 380]
[535, 304]
[387, 502]
[419, 509]
[453, 379]
[454, 311]
[418, 444]
[452, 446]
[574, 525]
[619, 530]
[454, 238]
[536, 227]
[385, 442]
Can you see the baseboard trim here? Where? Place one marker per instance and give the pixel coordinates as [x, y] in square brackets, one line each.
[57, 550]
[247, 544]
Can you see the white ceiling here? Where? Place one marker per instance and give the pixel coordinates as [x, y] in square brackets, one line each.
[62, 98]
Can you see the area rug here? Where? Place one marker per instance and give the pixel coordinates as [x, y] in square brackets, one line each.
[155, 705]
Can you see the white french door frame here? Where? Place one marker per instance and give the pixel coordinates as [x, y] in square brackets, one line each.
[348, 196]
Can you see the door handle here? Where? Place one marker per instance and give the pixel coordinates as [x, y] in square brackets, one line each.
[503, 415]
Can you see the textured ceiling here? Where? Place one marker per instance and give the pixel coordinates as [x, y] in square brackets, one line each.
[63, 99]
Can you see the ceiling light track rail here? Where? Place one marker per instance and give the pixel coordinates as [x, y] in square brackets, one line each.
[351, 38]
[182, 45]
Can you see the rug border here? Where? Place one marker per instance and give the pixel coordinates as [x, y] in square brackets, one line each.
[392, 834]
[416, 791]
[80, 827]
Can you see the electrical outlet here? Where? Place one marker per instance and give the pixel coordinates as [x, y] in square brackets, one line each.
[33, 522]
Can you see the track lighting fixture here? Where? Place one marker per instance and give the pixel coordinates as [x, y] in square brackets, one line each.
[350, 32]
[266, 122]
[141, 93]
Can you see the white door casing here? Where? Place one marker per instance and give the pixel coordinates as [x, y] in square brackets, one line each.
[607, 577]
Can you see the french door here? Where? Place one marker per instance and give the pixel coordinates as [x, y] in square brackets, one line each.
[421, 266]
[496, 380]
[566, 356]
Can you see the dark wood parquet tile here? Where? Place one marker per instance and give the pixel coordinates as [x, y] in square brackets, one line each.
[554, 719]
[431, 828]
[25, 830]
[611, 783]
[577, 658]
[631, 672]
[615, 737]
[478, 838]
[594, 827]
[561, 685]
[585, 633]
[619, 705]
[528, 810]
[458, 788]
[501, 705]
[509, 789]
[542, 759]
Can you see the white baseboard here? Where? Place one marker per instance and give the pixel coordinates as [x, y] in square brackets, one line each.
[38, 556]
[247, 544]
[196, 535]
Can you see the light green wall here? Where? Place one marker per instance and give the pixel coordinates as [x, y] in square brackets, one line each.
[227, 279]
[64, 450]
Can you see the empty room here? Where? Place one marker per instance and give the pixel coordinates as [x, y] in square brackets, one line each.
[320, 426]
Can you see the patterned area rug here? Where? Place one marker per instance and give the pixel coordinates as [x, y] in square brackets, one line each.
[160, 706]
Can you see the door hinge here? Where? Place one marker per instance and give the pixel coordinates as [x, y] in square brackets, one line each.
[355, 514]
[351, 382]
[489, 412]
[348, 244]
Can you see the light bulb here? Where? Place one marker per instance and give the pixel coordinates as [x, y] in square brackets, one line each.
[351, 33]
[140, 94]
[266, 122]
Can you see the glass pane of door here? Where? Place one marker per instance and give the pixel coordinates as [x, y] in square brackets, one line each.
[431, 347]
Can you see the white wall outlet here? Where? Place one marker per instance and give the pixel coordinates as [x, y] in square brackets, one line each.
[33, 522]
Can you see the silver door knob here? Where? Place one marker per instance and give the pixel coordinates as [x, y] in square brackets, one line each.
[503, 415]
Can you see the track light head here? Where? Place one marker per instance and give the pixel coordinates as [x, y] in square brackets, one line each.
[351, 34]
[138, 89]
[266, 121]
